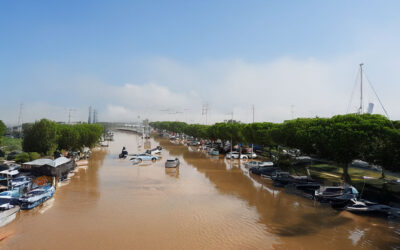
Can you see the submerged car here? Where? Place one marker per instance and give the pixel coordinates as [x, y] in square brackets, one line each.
[213, 151]
[236, 155]
[258, 164]
[336, 195]
[252, 155]
[144, 157]
[172, 163]
[264, 170]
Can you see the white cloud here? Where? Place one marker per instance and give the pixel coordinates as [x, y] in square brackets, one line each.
[177, 91]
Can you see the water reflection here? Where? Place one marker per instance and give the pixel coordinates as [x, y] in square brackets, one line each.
[173, 172]
[206, 203]
[293, 218]
[64, 210]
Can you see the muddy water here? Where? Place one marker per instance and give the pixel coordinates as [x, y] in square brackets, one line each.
[207, 203]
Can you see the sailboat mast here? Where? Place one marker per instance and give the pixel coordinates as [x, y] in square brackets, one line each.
[361, 88]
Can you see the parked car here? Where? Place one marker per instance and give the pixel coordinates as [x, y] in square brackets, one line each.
[266, 170]
[214, 152]
[235, 155]
[252, 155]
[336, 193]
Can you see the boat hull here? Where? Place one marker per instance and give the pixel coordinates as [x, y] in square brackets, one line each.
[27, 205]
[8, 215]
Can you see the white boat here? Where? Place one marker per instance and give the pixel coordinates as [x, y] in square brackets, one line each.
[8, 215]
[36, 197]
[367, 207]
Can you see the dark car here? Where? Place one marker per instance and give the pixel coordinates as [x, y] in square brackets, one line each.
[263, 170]
[11, 155]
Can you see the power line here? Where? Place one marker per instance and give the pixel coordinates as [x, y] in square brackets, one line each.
[376, 94]
[253, 113]
[361, 89]
[353, 91]
[204, 111]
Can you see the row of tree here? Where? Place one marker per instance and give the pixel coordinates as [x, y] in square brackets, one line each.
[342, 138]
[3, 130]
[46, 136]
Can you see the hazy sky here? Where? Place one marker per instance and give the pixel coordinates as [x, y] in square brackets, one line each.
[164, 60]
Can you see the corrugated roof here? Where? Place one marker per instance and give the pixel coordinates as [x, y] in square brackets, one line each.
[61, 160]
[53, 163]
[40, 162]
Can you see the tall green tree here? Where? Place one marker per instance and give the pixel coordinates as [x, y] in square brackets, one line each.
[41, 137]
[3, 130]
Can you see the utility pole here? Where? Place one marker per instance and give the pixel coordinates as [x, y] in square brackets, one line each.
[69, 115]
[253, 113]
[204, 111]
[361, 88]
[20, 121]
[231, 136]
[186, 114]
[252, 145]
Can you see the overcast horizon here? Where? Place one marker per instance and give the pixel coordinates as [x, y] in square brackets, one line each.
[169, 60]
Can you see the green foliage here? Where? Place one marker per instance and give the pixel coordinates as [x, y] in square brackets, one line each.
[46, 136]
[22, 157]
[68, 137]
[3, 130]
[12, 144]
[33, 156]
[41, 137]
[342, 138]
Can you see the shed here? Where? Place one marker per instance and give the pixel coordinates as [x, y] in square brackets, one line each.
[58, 167]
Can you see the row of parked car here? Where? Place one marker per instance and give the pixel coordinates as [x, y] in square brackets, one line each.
[343, 197]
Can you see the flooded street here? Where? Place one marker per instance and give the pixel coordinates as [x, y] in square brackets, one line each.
[207, 203]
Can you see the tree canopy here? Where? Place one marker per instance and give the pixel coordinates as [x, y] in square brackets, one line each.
[342, 138]
[3, 130]
[45, 136]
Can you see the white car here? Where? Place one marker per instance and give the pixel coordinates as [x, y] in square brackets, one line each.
[235, 155]
[259, 164]
[252, 155]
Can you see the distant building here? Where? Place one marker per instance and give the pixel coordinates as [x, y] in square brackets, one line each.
[370, 108]
[95, 120]
[90, 119]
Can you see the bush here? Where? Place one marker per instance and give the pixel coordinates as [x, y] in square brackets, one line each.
[33, 156]
[22, 157]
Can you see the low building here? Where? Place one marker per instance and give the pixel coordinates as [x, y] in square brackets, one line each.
[58, 167]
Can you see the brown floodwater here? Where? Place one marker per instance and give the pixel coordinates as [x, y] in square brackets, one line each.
[207, 203]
